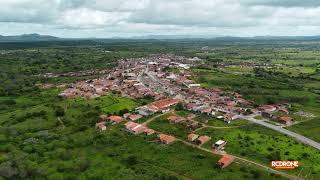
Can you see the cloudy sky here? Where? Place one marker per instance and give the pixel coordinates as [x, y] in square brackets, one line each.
[109, 18]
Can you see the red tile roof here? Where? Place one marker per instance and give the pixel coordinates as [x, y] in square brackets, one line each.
[162, 104]
[203, 139]
[192, 137]
[225, 161]
[115, 119]
[166, 139]
[134, 117]
[285, 118]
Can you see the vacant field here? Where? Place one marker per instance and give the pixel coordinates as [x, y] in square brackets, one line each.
[309, 129]
[264, 145]
[161, 124]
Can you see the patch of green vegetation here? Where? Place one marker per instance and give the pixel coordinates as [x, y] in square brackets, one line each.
[310, 128]
[163, 125]
[35, 144]
[263, 145]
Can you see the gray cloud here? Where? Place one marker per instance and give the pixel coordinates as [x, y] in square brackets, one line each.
[283, 3]
[134, 17]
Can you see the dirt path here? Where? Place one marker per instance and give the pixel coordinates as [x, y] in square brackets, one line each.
[271, 170]
[243, 160]
[216, 127]
[61, 122]
[155, 117]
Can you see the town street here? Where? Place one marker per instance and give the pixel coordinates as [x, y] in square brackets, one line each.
[298, 137]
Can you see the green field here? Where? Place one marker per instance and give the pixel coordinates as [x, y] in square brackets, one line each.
[310, 129]
[34, 143]
[252, 142]
[45, 137]
[264, 145]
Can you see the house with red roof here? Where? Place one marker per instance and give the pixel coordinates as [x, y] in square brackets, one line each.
[115, 119]
[136, 128]
[267, 108]
[166, 139]
[225, 161]
[101, 126]
[228, 117]
[193, 137]
[203, 139]
[157, 106]
[126, 115]
[148, 131]
[134, 117]
[175, 119]
[285, 120]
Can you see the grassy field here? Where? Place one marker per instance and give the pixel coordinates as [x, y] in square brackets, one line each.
[309, 129]
[264, 145]
[253, 142]
[35, 143]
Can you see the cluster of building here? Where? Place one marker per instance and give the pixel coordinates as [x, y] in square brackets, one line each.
[166, 79]
[136, 128]
[187, 122]
[267, 111]
[162, 105]
[104, 119]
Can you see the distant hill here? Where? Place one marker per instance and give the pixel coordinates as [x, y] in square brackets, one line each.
[227, 38]
[46, 38]
[28, 38]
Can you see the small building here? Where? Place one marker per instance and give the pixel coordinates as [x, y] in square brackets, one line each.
[283, 110]
[135, 128]
[175, 119]
[149, 131]
[166, 139]
[103, 117]
[190, 106]
[193, 85]
[267, 108]
[266, 115]
[205, 110]
[225, 161]
[219, 145]
[285, 120]
[126, 115]
[134, 117]
[101, 126]
[144, 111]
[203, 139]
[193, 137]
[115, 119]
[230, 117]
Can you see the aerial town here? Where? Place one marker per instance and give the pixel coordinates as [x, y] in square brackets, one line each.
[167, 80]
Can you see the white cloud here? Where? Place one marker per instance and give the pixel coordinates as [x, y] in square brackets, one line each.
[84, 18]
[106, 18]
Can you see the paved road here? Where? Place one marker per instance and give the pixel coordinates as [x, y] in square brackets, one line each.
[299, 137]
[293, 177]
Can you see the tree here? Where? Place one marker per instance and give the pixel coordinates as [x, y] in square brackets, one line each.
[59, 111]
[179, 107]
